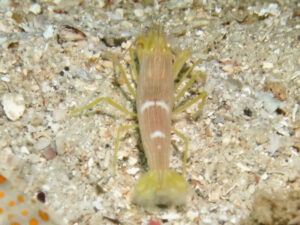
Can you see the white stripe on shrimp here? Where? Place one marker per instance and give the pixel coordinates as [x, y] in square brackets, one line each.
[163, 105]
[148, 104]
[157, 134]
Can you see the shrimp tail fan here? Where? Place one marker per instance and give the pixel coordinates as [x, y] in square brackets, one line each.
[161, 188]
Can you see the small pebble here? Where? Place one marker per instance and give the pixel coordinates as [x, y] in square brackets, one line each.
[59, 114]
[154, 222]
[247, 112]
[132, 161]
[267, 65]
[69, 33]
[101, 3]
[120, 12]
[49, 32]
[42, 143]
[228, 68]
[35, 9]
[133, 171]
[13, 106]
[49, 153]
[139, 12]
[41, 196]
[171, 215]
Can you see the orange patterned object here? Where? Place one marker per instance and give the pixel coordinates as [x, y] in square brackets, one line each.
[18, 209]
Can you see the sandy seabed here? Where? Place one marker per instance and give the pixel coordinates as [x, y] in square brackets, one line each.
[244, 161]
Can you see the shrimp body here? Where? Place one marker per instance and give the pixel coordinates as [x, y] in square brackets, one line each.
[155, 73]
[155, 94]
[155, 97]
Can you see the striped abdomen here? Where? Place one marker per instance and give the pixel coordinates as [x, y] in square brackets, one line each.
[155, 94]
[154, 105]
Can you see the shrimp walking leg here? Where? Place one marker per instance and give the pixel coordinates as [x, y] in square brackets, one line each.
[121, 130]
[201, 96]
[108, 101]
[186, 148]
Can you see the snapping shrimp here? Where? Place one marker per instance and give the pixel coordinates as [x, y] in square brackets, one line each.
[155, 98]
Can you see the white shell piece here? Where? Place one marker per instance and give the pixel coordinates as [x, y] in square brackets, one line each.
[13, 105]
